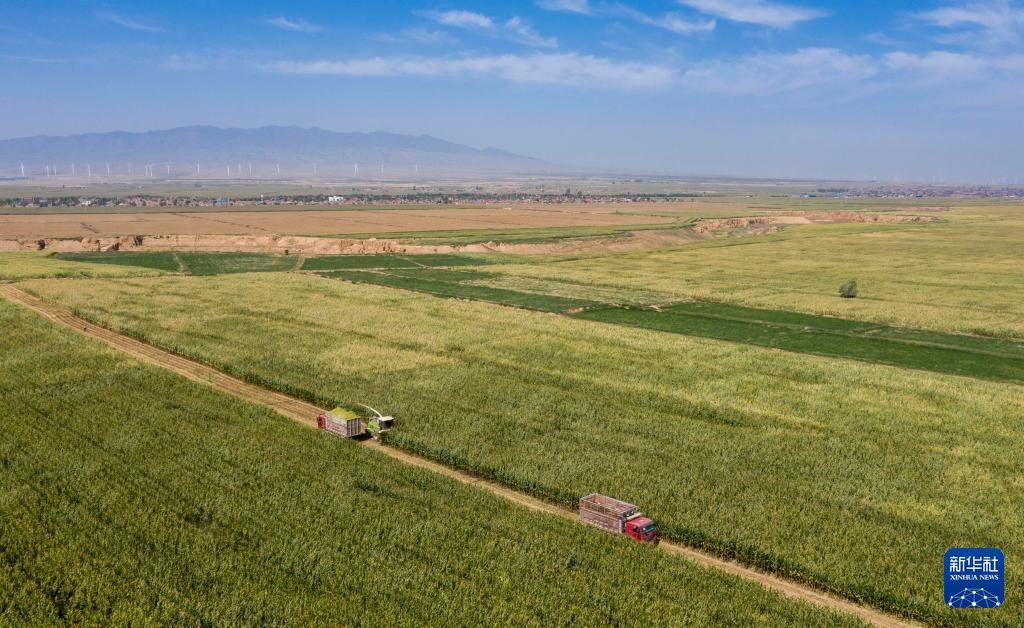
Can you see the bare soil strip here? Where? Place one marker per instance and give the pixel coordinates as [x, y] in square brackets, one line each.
[306, 413]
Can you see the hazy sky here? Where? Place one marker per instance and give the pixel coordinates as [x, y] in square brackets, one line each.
[857, 89]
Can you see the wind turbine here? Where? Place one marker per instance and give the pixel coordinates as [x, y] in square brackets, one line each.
[88, 167]
[382, 168]
[239, 171]
[168, 169]
[355, 170]
[314, 170]
[47, 171]
[22, 171]
[108, 170]
[228, 167]
[417, 170]
[278, 169]
[197, 169]
[250, 169]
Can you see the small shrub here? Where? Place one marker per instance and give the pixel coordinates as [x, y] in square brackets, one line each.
[849, 289]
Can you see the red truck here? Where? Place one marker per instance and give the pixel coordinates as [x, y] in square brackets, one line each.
[617, 517]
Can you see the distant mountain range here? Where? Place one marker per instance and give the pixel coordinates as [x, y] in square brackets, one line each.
[297, 151]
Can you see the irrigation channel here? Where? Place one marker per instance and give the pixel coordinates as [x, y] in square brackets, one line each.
[306, 413]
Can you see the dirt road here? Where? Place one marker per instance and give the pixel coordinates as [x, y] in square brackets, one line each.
[306, 413]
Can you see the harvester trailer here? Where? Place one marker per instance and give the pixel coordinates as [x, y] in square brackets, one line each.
[348, 424]
[617, 517]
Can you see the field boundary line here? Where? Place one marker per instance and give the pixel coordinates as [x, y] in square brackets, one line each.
[306, 413]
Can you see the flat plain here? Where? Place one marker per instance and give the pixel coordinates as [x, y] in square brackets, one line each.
[650, 375]
[960, 274]
[326, 220]
[163, 501]
[794, 463]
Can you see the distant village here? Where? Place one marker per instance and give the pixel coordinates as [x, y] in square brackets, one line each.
[902, 191]
[146, 200]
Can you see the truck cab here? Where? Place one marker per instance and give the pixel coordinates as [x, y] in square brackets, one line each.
[642, 529]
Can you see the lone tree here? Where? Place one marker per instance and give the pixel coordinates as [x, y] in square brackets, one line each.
[849, 289]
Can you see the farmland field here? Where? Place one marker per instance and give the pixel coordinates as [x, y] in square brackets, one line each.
[351, 262]
[326, 220]
[22, 265]
[159, 261]
[190, 263]
[962, 274]
[129, 495]
[955, 354]
[795, 463]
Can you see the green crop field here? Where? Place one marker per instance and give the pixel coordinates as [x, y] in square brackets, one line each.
[849, 475]
[956, 354]
[362, 262]
[425, 283]
[167, 262]
[189, 263]
[220, 263]
[131, 496]
[962, 274]
[527, 235]
[25, 265]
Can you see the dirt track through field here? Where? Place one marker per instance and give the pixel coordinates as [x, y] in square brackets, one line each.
[306, 413]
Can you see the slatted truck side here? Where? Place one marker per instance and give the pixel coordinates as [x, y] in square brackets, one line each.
[617, 517]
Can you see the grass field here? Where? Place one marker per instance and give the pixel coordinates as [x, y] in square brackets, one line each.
[956, 354]
[361, 262]
[131, 496]
[190, 263]
[962, 275]
[537, 235]
[221, 263]
[25, 265]
[844, 474]
[432, 281]
[159, 261]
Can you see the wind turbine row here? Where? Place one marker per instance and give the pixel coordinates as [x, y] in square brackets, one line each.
[149, 170]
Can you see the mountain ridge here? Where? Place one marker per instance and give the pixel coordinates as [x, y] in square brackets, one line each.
[292, 148]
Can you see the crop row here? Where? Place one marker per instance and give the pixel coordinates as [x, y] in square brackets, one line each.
[990, 358]
[796, 463]
[130, 496]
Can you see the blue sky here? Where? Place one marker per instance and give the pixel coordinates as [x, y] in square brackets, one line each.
[861, 89]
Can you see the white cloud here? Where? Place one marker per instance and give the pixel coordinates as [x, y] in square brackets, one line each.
[670, 21]
[461, 19]
[296, 25]
[567, 6]
[818, 68]
[773, 72]
[940, 65]
[763, 12]
[416, 36]
[130, 23]
[677, 24]
[562, 69]
[524, 33]
[1000, 18]
[515, 28]
[208, 59]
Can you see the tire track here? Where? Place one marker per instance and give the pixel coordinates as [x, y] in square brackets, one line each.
[306, 413]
